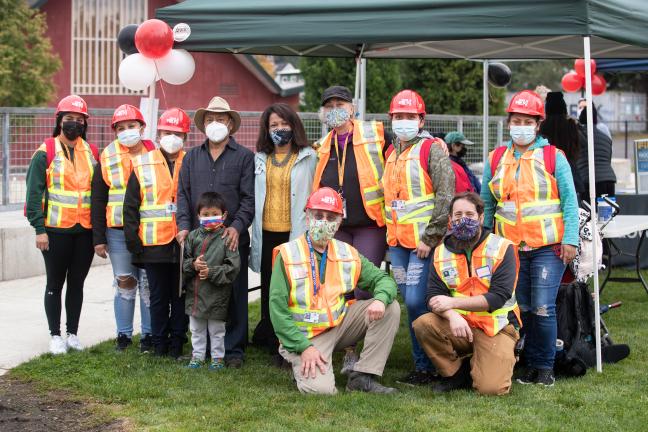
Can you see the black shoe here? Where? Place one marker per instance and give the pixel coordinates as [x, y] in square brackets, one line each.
[175, 352]
[529, 376]
[146, 343]
[418, 378]
[234, 362]
[123, 341]
[545, 377]
[460, 380]
[359, 381]
[160, 350]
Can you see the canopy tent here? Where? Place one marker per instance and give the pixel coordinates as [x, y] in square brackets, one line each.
[468, 29]
[621, 65]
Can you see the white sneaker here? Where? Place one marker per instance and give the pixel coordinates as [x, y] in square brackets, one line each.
[73, 342]
[57, 345]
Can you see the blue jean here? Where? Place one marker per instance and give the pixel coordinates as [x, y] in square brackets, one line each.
[411, 276]
[124, 302]
[539, 279]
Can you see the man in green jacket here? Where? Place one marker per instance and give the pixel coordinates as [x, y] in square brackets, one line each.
[312, 281]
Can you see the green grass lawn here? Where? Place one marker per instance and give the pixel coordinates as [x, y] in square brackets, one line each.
[161, 395]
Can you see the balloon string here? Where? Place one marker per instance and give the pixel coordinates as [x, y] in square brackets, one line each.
[161, 87]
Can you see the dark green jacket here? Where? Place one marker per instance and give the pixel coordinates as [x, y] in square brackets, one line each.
[209, 298]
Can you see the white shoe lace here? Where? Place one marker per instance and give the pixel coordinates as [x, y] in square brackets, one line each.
[74, 342]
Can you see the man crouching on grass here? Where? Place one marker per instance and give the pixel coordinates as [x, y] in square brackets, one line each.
[312, 279]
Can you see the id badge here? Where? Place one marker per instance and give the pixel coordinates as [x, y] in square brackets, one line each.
[171, 208]
[509, 206]
[483, 272]
[398, 205]
[344, 211]
[311, 317]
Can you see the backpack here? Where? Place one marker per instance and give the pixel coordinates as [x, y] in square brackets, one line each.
[548, 152]
[462, 181]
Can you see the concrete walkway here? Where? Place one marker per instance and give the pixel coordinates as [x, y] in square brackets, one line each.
[23, 326]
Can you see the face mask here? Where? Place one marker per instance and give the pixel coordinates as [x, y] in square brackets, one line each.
[129, 137]
[405, 130]
[216, 132]
[523, 135]
[171, 143]
[336, 117]
[321, 230]
[464, 229]
[72, 129]
[281, 137]
[462, 152]
[212, 223]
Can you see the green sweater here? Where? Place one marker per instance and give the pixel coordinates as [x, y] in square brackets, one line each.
[371, 279]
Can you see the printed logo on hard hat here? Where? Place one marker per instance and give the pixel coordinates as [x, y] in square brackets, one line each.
[407, 102]
[173, 120]
[77, 104]
[522, 102]
[121, 112]
[329, 200]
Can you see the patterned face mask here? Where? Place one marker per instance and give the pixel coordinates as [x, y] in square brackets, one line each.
[465, 228]
[336, 117]
[212, 223]
[321, 230]
[281, 137]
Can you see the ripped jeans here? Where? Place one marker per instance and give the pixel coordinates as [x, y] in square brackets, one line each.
[132, 279]
[411, 276]
[539, 279]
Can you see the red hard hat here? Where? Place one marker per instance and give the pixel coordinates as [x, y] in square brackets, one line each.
[325, 199]
[175, 120]
[527, 102]
[72, 103]
[127, 112]
[407, 101]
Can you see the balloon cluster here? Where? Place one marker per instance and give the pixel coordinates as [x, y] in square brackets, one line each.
[150, 56]
[574, 80]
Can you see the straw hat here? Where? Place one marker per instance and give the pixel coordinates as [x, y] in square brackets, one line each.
[217, 105]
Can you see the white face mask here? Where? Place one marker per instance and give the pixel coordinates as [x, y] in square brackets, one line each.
[129, 137]
[405, 130]
[171, 143]
[523, 135]
[216, 132]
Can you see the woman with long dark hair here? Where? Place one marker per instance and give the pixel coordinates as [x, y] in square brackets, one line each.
[284, 169]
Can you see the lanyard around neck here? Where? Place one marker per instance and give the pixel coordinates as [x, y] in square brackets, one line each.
[341, 163]
[322, 267]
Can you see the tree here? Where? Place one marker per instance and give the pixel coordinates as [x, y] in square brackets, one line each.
[27, 63]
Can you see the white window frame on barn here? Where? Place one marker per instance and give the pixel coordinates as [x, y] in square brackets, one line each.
[95, 53]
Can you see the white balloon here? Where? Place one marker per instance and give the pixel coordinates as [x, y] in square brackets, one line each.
[177, 67]
[137, 72]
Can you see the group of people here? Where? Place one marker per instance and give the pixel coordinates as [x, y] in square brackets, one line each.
[474, 272]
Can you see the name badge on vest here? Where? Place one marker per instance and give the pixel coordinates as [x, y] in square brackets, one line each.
[509, 206]
[450, 273]
[311, 317]
[300, 273]
[398, 205]
[171, 208]
[483, 272]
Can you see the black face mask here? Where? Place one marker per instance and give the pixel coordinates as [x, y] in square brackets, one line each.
[281, 137]
[72, 129]
[462, 152]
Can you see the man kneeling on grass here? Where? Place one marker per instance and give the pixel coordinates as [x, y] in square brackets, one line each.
[312, 279]
[471, 296]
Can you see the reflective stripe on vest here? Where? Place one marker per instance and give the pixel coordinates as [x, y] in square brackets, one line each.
[68, 186]
[116, 167]
[314, 314]
[405, 181]
[528, 202]
[454, 270]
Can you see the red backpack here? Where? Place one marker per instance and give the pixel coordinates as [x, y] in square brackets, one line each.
[548, 152]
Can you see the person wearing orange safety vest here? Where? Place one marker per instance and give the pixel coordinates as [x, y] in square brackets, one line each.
[529, 190]
[311, 312]
[419, 183]
[57, 206]
[150, 229]
[471, 299]
[108, 190]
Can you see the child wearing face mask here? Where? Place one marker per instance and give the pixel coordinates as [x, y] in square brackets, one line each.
[209, 269]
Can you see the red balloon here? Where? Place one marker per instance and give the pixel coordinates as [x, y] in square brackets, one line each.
[572, 82]
[154, 39]
[579, 67]
[598, 85]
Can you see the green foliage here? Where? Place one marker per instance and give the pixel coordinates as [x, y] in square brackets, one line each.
[27, 63]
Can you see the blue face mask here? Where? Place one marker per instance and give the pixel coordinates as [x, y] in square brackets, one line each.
[405, 130]
[523, 135]
[464, 229]
[336, 117]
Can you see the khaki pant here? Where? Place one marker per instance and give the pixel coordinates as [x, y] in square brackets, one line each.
[378, 338]
[493, 358]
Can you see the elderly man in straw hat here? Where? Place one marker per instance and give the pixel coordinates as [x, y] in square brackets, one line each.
[222, 165]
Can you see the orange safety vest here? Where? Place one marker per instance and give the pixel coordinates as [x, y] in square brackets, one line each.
[116, 168]
[158, 191]
[472, 278]
[368, 144]
[409, 197]
[528, 202]
[314, 314]
[68, 186]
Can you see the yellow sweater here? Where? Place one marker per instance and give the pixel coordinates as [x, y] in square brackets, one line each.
[276, 209]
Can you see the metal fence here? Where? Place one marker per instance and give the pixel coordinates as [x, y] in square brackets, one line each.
[24, 129]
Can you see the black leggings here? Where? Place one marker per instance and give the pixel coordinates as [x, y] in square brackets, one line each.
[68, 258]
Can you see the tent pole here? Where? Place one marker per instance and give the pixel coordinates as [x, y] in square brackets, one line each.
[363, 88]
[152, 116]
[485, 114]
[356, 90]
[592, 194]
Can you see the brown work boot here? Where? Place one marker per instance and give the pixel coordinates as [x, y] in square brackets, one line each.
[359, 381]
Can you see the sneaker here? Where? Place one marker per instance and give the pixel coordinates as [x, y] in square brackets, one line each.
[195, 363]
[545, 377]
[146, 343]
[350, 359]
[460, 380]
[216, 365]
[234, 362]
[529, 376]
[73, 342]
[57, 345]
[359, 381]
[123, 341]
[418, 377]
